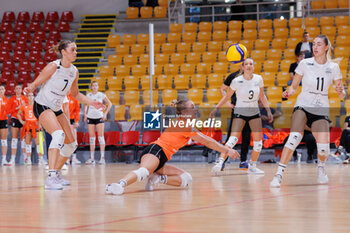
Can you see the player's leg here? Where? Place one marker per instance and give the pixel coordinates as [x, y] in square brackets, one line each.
[246, 132]
[255, 125]
[14, 142]
[101, 140]
[28, 146]
[3, 133]
[92, 137]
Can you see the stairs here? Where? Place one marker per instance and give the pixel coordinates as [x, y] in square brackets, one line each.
[91, 40]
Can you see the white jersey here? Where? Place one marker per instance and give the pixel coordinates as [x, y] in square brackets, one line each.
[247, 92]
[92, 112]
[53, 92]
[317, 78]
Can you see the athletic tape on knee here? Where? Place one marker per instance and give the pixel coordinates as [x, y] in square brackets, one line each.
[323, 149]
[92, 140]
[231, 142]
[3, 142]
[14, 143]
[293, 140]
[141, 173]
[28, 148]
[257, 146]
[57, 139]
[101, 140]
[23, 144]
[186, 179]
[68, 149]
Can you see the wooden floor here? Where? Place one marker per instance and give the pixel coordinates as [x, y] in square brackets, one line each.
[231, 202]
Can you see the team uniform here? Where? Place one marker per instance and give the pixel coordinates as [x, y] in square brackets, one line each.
[14, 102]
[3, 112]
[31, 125]
[74, 110]
[94, 116]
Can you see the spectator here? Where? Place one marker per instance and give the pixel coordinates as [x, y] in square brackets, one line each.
[136, 3]
[345, 140]
[304, 46]
[152, 3]
[293, 66]
[264, 119]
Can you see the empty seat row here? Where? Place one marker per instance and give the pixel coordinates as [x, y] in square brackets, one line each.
[146, 12]
[37, 16]
[63, 26]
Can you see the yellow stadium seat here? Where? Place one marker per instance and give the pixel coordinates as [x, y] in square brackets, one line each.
[215, 80]
[163, 3]
[106, 71]
[313, 31]
[199, 47]
[132, 12]
[262, 44]
[130, 60]
[227, 43]
[220, 68]
[329, 31]
[181, 81]
[174, 37]
[190, 27]
[187, 68]
[159, 38]
[156, 48]
[114, 60]
[343, 64]
[189, 37]
[137, 49]
[168, 96]
[139, 70]
[343, 4]
[331, 4]
[311, 22]
[142, 38]
[204, 68]
[296, 33]
[344, 30]
[326, 21]
[183, 47]
[205, 27]
[193, 58]
[171, 69]
[248, 44]
[119, 113]
[274, 92]
[279, 23]
[271, 66]
[292, 42]
[265, 23]
[214, 46]
[282, 122]
[113, 40]
[168, 48]
[164, 82]
[129, 39]
[177, 58]
[220, 26]
[122, 70]
[332, 93]
[144, 59]
[146, 81]
[131, 82]
[316, 5]
[295, 22]
[131, 97]
[234, 35]
[341, 20]
[234, 67]
[222, 56]
[209, 57]
[281, 33]
[250, 34]
[283, 78]
[146, 12]
[115, 83]
[113, 96]
[160, 12]
[122, 49]
[249, 24]
[342, 52]
[258, 55]
[219, 36]
[265, 34]
[257, 66]
[136, 112]
[278, 43]
[235, 25]
[199, 81]
[289, 54]
[161, 58]
[343, 41]
[204, 36]
[196, 95]
[176, 28]
[213, 95]
[269, 79]
[101, 82]
[285, 64]
[274, 54]
[146, 96]
[204, 111]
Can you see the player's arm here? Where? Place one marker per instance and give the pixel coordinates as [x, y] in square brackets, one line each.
[19, 116]
[339, 87]
[223, 90]
[295, 84]
[265, 103]
[222, 101]
[109, 106]
[45, 75]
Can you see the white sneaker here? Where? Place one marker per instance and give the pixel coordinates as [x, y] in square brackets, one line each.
[255, 170]
[75, 161]
[216, 168]
[47, 167]
[276, 181]
[41, 161]
[65, 167]
[62, 181]
[102, 161]
[52, 183]
[114, 188]
[4, 161]
[90, 162]
[12, 162]
[28, 161]
[322, 175]
[151, 181]
[298, 158]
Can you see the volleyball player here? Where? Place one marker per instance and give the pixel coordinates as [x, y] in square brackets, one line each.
[153, 167]
[3, 123]
[95, 120]
[56, 79]
[312, 106]
[249, 89]
[74, 115]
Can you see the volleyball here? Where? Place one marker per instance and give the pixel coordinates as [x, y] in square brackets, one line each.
[236, 53]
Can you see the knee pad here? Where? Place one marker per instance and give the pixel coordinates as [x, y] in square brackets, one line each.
[141, 173]
[257, 146]
[186, 179]
[3, 142]
[92, 140]
[323, 149]
[293, 140]
[57, 139]
[14, 143]
[23, 144]
[28, 148]
[68, 149]
[231, 142]
[101, 140]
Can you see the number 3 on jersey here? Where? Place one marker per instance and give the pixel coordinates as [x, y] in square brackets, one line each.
[251, 94]
[320, 83]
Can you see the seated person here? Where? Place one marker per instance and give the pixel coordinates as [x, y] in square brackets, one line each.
[293, 66]
[264, 119]
[345, 141]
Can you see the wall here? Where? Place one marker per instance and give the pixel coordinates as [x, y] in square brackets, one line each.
[79, 7]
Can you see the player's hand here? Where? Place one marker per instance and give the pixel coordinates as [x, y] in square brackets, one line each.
[85, 118]
[288, 93]
[75, 125]
[212, 114]
[270, 117]
[28, 89]
[232, 106]
[104, 117]
[98, 105]
[233, 154]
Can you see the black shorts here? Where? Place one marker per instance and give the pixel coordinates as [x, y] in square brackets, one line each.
[92, 121]
[157, 151]
[311, 118]
[15, 123]
[38, 109]
[246, 118]
[72, 121]
[3, 124]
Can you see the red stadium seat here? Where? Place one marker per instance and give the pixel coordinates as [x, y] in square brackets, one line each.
[10, 88]
[34, 26]
[67, 16]
[112, 138]
[5, 56]
[8, 66]
[21, 45]
[39, 65]
[25, 35]
[20, 26]
[38, 16]
[24, 65]
[24, 77]
[34, 56]
[54, 35]
[63, 26]
[19, 55]
[130, 137]
[7, 76]
[49, 44]
[23, 16]
[10, 35]
[6, 45]
[8, 16]
[39, 35]
[50, 56]
[52, 16]
[150, 136]
[36, 45]
[49, 26]
[6, 26]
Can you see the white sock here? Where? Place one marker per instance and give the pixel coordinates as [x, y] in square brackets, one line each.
[221, 161]
[102, 154]
[13, 157]
[281, 169]
[321, 164]
[252, 163]
[92, 155]
[52, 173]
[122, 183]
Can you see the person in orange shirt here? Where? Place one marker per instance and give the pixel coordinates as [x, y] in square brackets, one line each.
[29, 129]
[3, 123]
[155, 155]
[15, 103]
[74, 114]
